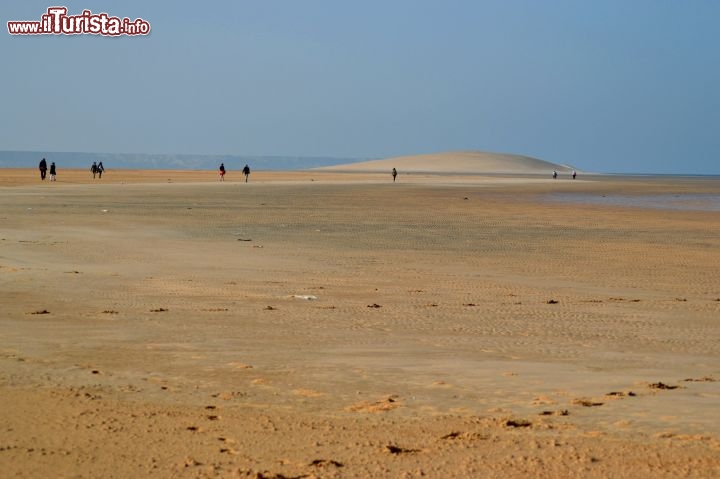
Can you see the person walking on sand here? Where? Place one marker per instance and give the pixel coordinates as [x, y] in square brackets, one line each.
[222, 171]
[394, 174]
[94, 169]
[100, 169]
[574, 174]
[555, 175]
[43, 169]
[246, 172]
[52, 171]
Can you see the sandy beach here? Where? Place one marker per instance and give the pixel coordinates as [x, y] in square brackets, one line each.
[323, 324]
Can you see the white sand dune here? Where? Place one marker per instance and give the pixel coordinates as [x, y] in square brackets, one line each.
[475, 162]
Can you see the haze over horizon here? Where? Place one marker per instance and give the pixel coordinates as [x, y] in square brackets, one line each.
[608, 86]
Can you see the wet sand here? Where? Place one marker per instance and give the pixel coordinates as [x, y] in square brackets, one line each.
[317, 324]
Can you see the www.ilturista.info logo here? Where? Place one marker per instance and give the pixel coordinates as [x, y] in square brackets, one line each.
[57, 22]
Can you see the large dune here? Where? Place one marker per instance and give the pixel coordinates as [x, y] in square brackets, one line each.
[476, 162]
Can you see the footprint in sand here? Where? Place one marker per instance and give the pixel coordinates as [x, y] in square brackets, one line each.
[190, 462]
[393, 449]
[619, 394]
[325, 463]
[563, 412]
[661, 385]
[587, 402]
[518, 423]
[228, 395]
[466, 436]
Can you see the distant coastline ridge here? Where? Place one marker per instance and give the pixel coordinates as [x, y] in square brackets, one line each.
[468, 162]
[463, 162]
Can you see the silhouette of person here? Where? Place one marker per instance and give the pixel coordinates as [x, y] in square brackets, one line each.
[222, 171]
[574, 174]
[53, 172]
[246, 172]
[100, 169]
[94, 169]
[555, 174]
[394, 174]
[43, 169]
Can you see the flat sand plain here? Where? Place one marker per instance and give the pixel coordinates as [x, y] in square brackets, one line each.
[311, 324]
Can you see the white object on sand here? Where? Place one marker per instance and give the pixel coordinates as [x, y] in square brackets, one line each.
[309, 297]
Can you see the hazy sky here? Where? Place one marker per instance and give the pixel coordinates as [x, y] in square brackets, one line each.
[611, 86]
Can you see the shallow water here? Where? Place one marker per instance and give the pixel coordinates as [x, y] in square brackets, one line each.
[674, 201]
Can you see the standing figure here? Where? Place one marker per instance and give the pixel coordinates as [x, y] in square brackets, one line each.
[574, 174]
[52, 171]
[246, 172]
[94, 169]
[394, 173]
[554, 174]
[100, 169]
[43, 169]
[222, 171]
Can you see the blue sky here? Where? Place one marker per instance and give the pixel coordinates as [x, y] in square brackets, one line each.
[609, 86]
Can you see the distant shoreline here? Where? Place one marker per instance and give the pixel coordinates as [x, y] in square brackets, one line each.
[11, 159]
[594, 175]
